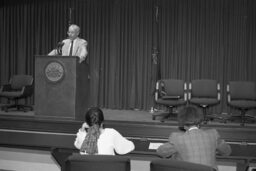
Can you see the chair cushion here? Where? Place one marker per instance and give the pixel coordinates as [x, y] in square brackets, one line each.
[171, 102]
[11, 94]
[204, 101]
[246, 104]
[170, 97]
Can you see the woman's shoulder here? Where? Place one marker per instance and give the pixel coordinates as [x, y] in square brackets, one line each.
[110, 130]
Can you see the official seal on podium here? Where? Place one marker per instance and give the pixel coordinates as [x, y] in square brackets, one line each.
[54, 71]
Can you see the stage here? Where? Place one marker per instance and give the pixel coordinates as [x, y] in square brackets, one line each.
[131, 123]
[132, 115]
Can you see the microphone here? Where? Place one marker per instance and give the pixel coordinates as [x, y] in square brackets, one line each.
[59, 47]
[60, 44]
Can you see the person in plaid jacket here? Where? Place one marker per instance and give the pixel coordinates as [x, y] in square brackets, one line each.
[194, 144]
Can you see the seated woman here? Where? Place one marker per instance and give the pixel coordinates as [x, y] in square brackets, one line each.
[93, 138]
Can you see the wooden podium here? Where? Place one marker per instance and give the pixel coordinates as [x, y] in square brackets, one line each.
[61, 87]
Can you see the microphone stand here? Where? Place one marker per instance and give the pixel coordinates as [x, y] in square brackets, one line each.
[59, 48]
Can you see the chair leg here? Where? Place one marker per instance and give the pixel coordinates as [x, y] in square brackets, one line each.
[24, 108]
[210, 117]
[163, 115]
[243, 117]
[3, 108]
[17, 106]
[7, 107]
[205, 119]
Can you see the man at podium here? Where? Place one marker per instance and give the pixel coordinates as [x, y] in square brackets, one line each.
[73, 45]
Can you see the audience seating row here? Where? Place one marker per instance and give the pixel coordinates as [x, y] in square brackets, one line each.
[77, 162]
[205, 93]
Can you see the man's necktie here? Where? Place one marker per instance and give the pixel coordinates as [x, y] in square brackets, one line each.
[71, 48]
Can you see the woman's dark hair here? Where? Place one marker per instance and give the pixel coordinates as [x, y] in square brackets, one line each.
[189, 116]
[94, 116]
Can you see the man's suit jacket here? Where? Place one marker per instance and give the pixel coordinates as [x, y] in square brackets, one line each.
[79, 48]
[196, 146]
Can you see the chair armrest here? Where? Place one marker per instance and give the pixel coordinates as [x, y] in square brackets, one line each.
[161, 89]
[218, 92]
[162, 93]
[28, 90]
[157, 93]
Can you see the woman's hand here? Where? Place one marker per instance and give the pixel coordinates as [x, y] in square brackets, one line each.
[84, 127]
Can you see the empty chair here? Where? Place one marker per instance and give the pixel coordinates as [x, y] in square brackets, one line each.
[241, 95]
[170, 93]
[204, 93]
[19, 87]
[77, 162]
[175, 165]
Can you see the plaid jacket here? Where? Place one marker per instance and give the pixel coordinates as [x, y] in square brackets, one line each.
[196, 146]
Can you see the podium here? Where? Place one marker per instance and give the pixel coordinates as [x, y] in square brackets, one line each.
[61, 87]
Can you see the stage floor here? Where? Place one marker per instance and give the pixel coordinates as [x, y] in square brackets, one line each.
[136, 116]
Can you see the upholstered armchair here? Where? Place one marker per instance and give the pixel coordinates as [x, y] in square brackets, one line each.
[19, 87]
[169, 93]
[204, 93]
[241, 95]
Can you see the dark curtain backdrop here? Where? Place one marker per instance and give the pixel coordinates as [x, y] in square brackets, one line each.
[208, 39]
[132, 43]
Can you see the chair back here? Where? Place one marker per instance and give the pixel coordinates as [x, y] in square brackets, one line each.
[204, 88]
[241, 90]
[174, 165]
[77, 162]
[19, 81]
[172, 88]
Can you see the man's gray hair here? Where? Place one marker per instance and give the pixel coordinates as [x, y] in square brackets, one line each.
[75, 27]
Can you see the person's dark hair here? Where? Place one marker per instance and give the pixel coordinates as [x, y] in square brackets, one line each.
[189, 116]
[94, 118]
